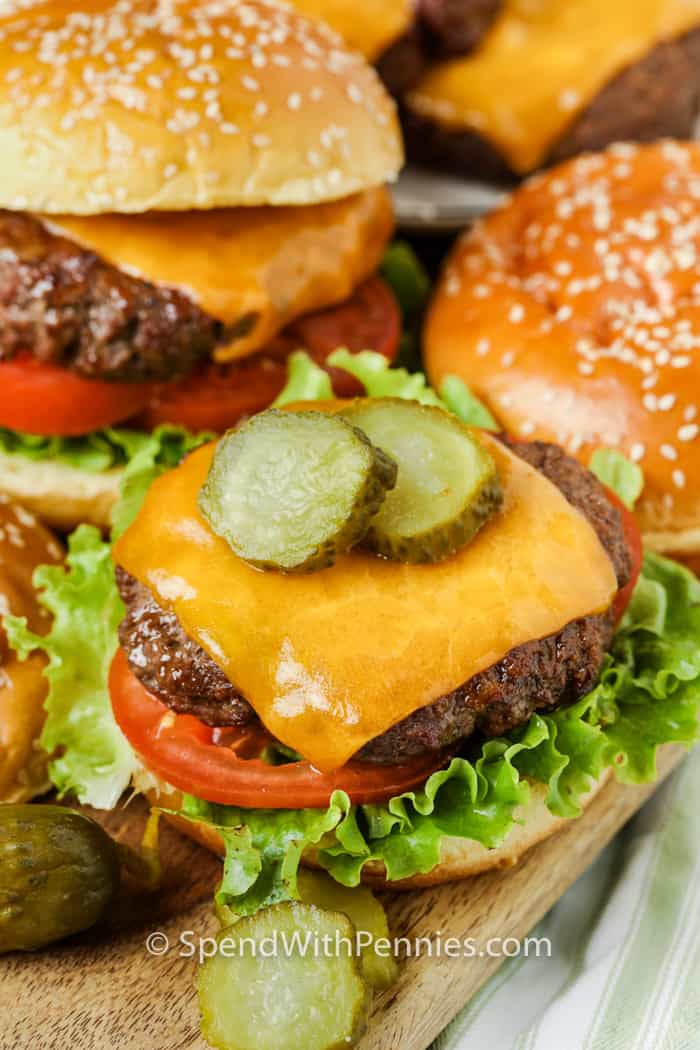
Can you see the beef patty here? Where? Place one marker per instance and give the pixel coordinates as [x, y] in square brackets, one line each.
[540, 675]
[67, 306]
[655, 97]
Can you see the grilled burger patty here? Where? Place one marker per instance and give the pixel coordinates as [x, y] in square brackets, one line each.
[69, 307]
[656, 97]
[540, 675]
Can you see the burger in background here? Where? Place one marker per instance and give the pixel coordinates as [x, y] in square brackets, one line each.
[190, 192]
[574, 312]
[24, 545]
[551, 79]
[402, 37]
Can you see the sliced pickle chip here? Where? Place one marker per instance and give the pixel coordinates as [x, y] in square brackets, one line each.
[448, 485]
[291, 490]
[378, 965]
[287, 978]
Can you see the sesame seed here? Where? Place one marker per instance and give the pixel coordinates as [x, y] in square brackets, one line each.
[669, 452]
[688, 432]
[678, 477]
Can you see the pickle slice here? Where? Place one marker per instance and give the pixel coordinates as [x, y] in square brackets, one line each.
[287, 978]
[448, 484]
[291, 490]
[377, 964]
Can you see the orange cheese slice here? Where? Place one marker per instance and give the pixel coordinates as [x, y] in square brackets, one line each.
[255, 269]
[369, 28]
[332, 659]
[542, 63]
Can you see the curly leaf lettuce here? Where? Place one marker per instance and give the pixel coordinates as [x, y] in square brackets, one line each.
[308, 382]
[91, 757]
[648, 695]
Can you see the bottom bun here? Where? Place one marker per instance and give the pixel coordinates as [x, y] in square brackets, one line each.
[459, 859]
[61, 495]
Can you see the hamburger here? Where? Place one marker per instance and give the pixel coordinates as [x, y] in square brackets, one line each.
[24, 545]
[418, 707]
[189, 191]
[370, 636]
[572, 312]
[551, 80]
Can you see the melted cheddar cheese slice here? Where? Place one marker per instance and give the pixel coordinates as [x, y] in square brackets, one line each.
[255, 269]
[332, 659]
[370, 30]
[543, 62]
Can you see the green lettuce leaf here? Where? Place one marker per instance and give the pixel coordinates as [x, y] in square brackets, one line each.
[648, 695]
[404, 273]
[406, 276]
[619, 473]
[142, 456]
[308, 382]
[147, 456]
[92, 758]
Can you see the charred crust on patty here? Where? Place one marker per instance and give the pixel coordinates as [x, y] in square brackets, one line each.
[71, 308]
[538, 676]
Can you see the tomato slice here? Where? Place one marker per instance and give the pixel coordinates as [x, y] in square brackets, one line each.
[45, 399]
[185, 753]
[633, 538]
[216, 396]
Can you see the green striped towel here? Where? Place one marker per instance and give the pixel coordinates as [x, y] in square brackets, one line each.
[624, 970]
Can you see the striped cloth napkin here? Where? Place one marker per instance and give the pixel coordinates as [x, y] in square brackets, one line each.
[624, 971]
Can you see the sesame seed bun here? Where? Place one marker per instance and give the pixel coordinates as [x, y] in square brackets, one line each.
[61, 495]
[459, 858]
[573, 311]
[24, 544]
[138, 105]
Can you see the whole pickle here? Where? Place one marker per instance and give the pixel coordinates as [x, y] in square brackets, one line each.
[58, 873]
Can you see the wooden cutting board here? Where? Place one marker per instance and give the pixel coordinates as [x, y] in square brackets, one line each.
[103, 991]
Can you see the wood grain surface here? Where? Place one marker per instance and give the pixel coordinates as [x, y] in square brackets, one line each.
[103, 990]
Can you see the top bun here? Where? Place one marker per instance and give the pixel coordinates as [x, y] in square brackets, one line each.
[574, 312]
[142, 105]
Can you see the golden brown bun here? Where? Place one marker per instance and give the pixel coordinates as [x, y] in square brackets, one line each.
[140, 105]
[459, 858]
[368, 27]
[60, 495]
[574, 312]
[24, 544]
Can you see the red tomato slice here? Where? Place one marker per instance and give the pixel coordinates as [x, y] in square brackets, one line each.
[184, 752]
[634, 543]
[39, 398]
[217, 396]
